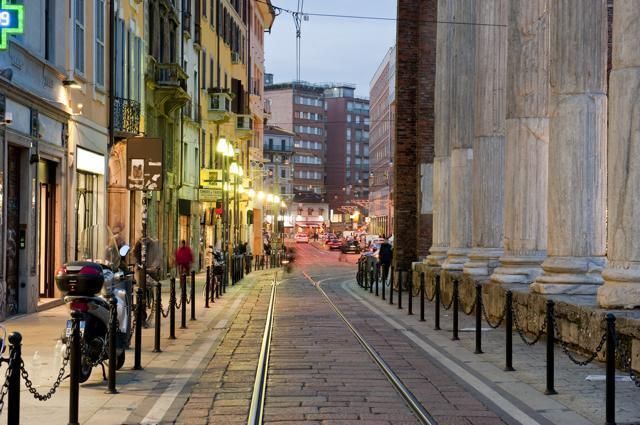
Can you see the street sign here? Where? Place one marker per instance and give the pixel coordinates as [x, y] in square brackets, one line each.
[144, 163]
[11, 21]
[210, 177]
[209, 195]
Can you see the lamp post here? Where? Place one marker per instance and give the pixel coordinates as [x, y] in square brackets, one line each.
[225, 149]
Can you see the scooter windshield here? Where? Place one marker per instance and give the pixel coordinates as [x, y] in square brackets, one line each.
[98, 244]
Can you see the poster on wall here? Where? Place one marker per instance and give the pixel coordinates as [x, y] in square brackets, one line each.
[144, 163]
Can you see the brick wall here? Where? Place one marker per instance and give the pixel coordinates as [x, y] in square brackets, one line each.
[414, 142]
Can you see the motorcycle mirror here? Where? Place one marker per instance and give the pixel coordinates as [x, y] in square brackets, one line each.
[124, 250]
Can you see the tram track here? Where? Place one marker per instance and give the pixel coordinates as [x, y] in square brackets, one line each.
[256, 411]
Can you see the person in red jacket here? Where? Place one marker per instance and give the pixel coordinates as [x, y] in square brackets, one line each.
[184, 258]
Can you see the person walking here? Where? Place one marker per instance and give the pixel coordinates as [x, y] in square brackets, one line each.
[385, 255]
[184, 258]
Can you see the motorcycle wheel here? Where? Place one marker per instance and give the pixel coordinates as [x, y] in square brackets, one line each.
[120, 360]
[85, 373]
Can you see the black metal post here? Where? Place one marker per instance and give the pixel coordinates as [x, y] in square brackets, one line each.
[384, 280]
[437, 299]
[372, 266]
[113, 329]
[193, 295]
[365, 278]
[13, 392]
[509, 332]
[137, 355]
[400, 283]
[410, 293]
[183, 301]
[172, 308]
[422, 289]
[391, 285]
[456, 306]
[207, 282]
[377, 276]
[611, 371]
[550, 346]
[157, 319]
[225, 278]
[478, 319]
[74, 366]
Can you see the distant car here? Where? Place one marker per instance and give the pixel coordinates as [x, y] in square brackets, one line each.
[301, 238]
[350, 247]
[333, 244]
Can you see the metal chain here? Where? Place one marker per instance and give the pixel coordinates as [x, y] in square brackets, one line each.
[565, 348]
[502, 316]
[626, 363]
[471, 310]
[426, 292]
[165, 315]
[44, 397]
[5, 386]
[105, 343]
[447, 307]
[521, 331]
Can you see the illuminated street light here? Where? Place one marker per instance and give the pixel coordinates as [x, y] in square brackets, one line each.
[261, 195]
[269, 198]
[221, 147]
[233, 168]
[276, 199]
[251, 193]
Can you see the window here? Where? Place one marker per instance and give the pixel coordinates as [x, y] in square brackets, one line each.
[348, 117]
[99, 53]
[357, 119]
[348, 134]
[49, 30]
[348, 148]
[78, 36]
[211, 72]
[204, 68]
[204, 8]
[283, 173]
[283, 144]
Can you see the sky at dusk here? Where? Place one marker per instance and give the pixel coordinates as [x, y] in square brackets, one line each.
[344, 50]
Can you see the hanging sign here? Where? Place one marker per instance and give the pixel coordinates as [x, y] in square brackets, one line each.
[144, 163]
[11, 21]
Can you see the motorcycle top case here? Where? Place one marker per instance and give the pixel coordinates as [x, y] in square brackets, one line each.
[80, 278]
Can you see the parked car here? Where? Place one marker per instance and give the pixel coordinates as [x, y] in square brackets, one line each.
[350, 247]
[333, 244]
[301, 238]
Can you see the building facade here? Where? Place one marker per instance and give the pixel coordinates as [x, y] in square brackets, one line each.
[381, 141]
[299, 107]
[347, 164]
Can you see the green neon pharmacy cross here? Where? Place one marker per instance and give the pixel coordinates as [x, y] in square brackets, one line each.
[11, 21]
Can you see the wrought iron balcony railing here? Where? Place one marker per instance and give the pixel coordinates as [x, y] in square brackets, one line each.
[126, 115]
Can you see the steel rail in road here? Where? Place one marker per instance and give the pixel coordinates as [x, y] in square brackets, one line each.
[418, 409]
[256, 409]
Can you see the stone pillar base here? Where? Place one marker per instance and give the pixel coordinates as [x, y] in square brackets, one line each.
[437, 256]
[570, 275]
[456, 259]
[621, 288]
[518, 269]
[482, 261]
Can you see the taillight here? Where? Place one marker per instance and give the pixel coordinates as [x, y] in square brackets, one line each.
[62, 270]
[86, 270]
[80, 306]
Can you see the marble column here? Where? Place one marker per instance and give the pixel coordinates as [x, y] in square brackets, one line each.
[527, 137]
[488, 144]
[462, 132]
[577, 192]
[622, 275]
[441, 163]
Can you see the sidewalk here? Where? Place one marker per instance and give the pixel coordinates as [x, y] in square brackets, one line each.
[176, 367]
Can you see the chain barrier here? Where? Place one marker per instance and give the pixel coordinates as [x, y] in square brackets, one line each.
[521, 331]
[565, 347]
[29, 385]
[426, 290]
[626, 362]
[502, 315]
[165, 315]
[448, 307]
[471, 310]
[5, 386]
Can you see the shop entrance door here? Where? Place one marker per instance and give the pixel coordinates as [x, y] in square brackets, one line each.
[13, 229]
[47, 223]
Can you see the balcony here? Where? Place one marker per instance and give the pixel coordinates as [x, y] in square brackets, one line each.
[219, 106]
[191, 112]
[170, 86]
[186, 24]
[126, 117]
[244, 126]
[236, 59]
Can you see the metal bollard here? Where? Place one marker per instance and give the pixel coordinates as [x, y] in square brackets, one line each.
[13, 392]
[456, 306]
[509, 332]
[172, 308]
[371, 268]
[478, 319]
[183, 301]
[437, 299]
[137, 361]
[157, 319]
[113, 329]
[550, 347]
[391, 285]
[225, 279]
[400, 282]
[611, 371]
[410, 293]
[422, 289]
[207, 282]
[74, 368]
[193, 295]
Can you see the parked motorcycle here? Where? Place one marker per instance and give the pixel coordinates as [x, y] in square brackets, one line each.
[87, 286]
